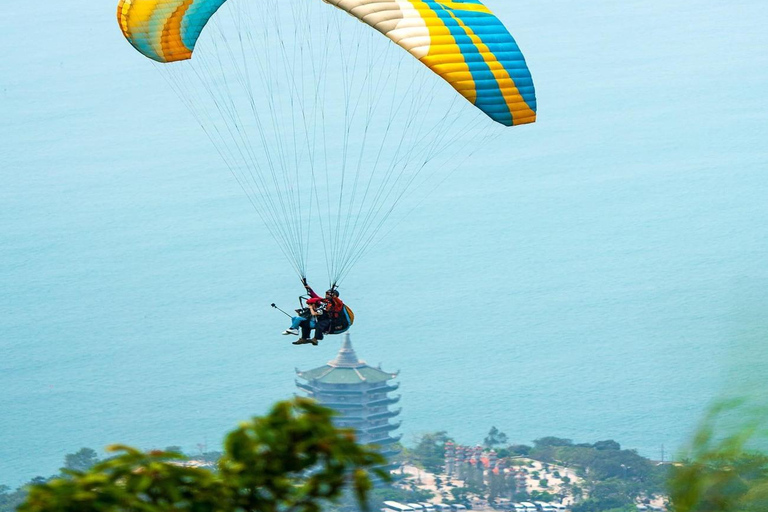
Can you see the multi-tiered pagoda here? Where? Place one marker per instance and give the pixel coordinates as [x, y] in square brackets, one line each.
[360, 394]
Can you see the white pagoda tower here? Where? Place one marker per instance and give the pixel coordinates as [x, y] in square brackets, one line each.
[359, 394]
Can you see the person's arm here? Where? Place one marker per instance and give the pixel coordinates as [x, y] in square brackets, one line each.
[335, 305]
[311, 292]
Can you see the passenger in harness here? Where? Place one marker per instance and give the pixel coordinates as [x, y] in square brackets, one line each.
[318, 320]
[304, 312]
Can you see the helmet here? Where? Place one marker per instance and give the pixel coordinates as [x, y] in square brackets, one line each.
[333, 292]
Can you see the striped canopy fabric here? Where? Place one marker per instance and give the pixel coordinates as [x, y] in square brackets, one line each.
[464, 43]
[461, 40]
[165, 30]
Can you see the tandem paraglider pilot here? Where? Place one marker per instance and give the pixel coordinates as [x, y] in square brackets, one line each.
[326, 315]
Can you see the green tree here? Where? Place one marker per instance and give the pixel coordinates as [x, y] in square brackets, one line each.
[542, 496]
[521, 495]
[462, 494]
[607, 445]
[522, 450]
[378, 496]
[497, 486]
[430, 451]
[607, 495]
[82, 460]
[495, 438]
[552, 441]
[293, 459]
[9, 499]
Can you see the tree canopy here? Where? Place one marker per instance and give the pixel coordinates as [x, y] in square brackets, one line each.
[82, 460]
[291, 460]
[495, 438]
[429, 451]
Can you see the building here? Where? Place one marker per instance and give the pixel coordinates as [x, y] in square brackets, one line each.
[360, 394]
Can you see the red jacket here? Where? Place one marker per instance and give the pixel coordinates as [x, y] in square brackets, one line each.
[334, 305]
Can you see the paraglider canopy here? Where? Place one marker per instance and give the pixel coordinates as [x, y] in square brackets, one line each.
[461, 40]
[326, 122]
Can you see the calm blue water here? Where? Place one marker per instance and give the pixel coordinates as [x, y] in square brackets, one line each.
[601, 274]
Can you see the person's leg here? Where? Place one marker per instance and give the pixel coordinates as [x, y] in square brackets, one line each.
[296, 322]
[321, 328]
[305, 329]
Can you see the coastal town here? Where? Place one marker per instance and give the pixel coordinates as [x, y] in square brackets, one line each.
[493, 476]
[532, 477]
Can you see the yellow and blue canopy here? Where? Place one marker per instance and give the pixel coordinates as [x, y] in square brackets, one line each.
[460, 40]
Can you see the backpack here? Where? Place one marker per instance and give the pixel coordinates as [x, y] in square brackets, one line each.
[342, 321]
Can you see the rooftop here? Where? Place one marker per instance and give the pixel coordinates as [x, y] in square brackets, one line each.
[346, 368]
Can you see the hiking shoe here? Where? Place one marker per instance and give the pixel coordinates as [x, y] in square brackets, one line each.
[314, 341]
[291, 332]
[301, 341]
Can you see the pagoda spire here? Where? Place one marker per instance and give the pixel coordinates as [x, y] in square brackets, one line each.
[346, 358]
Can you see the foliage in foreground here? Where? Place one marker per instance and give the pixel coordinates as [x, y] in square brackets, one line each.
[295, 460]
[724, 473]
[292, 460]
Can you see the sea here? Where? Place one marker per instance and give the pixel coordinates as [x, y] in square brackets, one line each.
[598, 275]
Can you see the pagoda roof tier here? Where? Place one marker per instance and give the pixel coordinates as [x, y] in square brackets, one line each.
[357, 425]
[384, 414]
[385, 389]
[346, 368]
[342, 407]
[377, 416]
[316, 387]
[389, 453]
[305, 387]
[387, 427]
[344, 404]
[383, 401]
[384, 441]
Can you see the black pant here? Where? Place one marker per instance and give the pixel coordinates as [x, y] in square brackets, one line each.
[321, 326]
